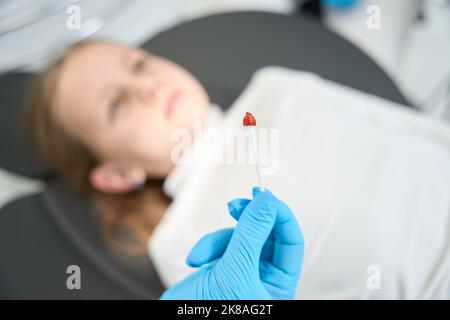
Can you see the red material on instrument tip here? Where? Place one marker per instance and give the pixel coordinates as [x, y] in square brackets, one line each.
[249, 120]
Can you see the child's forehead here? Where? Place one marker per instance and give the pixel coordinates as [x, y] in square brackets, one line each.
[100, 49]
[81, 81]
[91, 63]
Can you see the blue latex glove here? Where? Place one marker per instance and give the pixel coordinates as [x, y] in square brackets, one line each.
[260, 259]
[343, 4]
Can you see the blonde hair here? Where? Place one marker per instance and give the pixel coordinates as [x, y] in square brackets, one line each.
[138, 211]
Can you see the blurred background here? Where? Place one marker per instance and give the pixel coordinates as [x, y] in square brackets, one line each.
[408, 39]
[411, 44]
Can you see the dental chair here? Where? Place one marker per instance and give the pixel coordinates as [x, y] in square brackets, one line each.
[44, 233]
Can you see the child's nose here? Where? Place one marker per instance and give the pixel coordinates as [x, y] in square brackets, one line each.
[146, 92]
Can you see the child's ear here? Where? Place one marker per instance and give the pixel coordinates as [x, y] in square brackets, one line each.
[112, 178]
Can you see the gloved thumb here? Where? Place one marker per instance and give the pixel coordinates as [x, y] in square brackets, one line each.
[254, 227]
[236, 206]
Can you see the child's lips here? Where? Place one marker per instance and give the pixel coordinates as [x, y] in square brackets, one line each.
[171, 101]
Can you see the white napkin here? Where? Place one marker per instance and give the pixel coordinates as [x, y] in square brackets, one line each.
[368, 180]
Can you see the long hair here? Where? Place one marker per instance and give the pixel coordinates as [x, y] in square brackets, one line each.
[136, 212]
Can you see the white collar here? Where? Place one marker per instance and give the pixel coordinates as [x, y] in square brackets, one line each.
[176, 179]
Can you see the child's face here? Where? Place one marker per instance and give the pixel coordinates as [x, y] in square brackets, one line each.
[124, 104]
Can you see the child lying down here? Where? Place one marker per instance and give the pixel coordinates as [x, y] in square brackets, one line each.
[137, 134]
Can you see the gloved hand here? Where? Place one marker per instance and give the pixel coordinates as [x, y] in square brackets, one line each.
[259, 259]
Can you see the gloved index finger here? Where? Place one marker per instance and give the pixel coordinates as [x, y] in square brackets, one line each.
[255, 224]
[287, 230]
[288, 241]
[288, 238]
